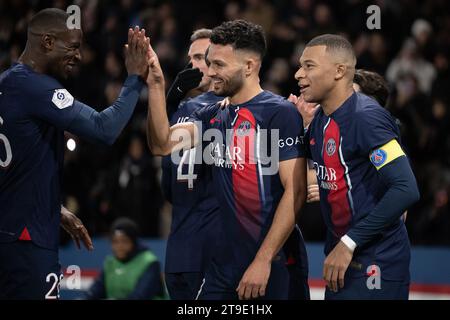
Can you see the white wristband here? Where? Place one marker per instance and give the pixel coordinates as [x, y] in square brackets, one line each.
[349, 242]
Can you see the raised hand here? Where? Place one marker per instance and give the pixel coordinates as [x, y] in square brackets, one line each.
[254, 281]
[313, 194]
[307, 110]
[187, 79]
[136, 52]
[335, 266]
[76, 229]
[155, 74]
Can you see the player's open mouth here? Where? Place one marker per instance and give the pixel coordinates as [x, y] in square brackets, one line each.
[303, 87]
[217, 83]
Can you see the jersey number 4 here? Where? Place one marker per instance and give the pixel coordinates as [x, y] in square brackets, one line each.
[189, 156]
[5, 163]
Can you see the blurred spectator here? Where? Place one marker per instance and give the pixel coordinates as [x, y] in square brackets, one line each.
[260, 12]
[433, 220]
[323, 20]
[113, 67]
[437, 142]
[422, 31]
[410, 61]
[132, 272]
[375, 56]
[411, 107]
[277, 75]
[301, 15]
[232, 10]
[133, 191]
[442, 82]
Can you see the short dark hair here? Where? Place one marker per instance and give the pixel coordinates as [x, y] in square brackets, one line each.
[372, 84]
[47, 20]
[201, 34]
[333, 43]
[242, 35]
[127, 226]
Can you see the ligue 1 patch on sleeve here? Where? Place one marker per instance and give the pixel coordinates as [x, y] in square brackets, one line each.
[62, 98]
[385, 154]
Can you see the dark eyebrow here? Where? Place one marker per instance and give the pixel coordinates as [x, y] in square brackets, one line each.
[218, 61]
[308, 61]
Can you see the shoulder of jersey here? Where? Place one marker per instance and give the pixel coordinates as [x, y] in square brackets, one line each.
[37, 79]
[368, 110]
[36, 84]
[194, 104]
[206, 99]
[270, 98]
[200, 102]
[365, 102]
[284, 103]
[39, 86]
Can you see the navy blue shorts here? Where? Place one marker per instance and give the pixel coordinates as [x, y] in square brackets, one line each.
[221, 285]
[357, 289]
[298, 284]
[183, 285]
[28, 271]
[297, 265]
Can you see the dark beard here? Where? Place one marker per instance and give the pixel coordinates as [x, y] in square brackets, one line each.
[234, 85]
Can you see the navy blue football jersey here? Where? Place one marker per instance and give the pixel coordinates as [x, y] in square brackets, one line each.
[248, 141]
[187, 184]
[34, 111]
[340, 146]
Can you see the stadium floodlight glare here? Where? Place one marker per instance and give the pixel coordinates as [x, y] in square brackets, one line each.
[71, 144]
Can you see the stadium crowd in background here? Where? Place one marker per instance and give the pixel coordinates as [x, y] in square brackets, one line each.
[101, 182]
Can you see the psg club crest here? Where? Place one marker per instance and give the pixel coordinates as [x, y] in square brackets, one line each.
[331, 147]
[378, 157]
[244, 128]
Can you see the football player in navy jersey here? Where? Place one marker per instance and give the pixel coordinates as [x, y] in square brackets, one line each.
[365, 180]
[257, 156]
[188, 185]
[35, 109]
[368, 82]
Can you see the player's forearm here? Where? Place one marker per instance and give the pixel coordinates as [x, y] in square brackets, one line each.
[311, 176]
[162, 138]
[402, 193]
[171, 109]
[283, 223]
[105, 126]
[158, 127]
